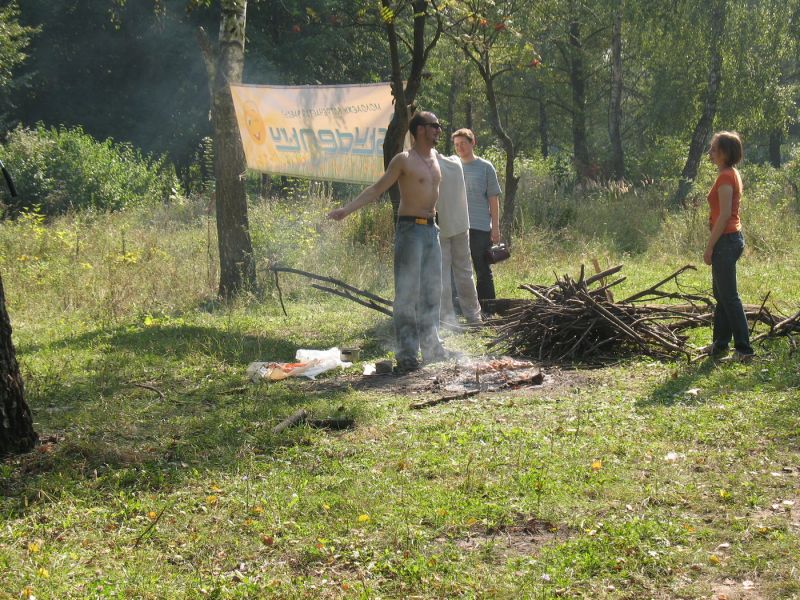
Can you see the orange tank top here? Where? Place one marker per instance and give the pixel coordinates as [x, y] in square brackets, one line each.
[732, 178]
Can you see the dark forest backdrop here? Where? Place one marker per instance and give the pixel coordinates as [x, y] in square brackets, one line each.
[608, 88]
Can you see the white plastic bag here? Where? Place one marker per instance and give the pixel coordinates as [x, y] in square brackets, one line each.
[325, 361]
[310, 363]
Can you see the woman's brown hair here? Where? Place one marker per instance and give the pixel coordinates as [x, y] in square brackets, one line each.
[730, 144]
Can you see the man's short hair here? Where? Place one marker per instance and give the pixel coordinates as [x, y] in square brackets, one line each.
[730, 144]
[464, 132]
[420, 118]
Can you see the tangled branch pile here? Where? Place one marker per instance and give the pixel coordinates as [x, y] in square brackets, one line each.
[570, 321]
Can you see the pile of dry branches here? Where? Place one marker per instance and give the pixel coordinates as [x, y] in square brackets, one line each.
[573, 321]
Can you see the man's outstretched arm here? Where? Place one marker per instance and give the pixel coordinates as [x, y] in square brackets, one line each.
[373, 192]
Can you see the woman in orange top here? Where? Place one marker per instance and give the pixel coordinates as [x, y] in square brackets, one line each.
[725, 246]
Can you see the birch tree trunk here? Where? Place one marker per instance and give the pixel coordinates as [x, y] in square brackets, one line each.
[704, 124]
[224, 66]
[16, 423]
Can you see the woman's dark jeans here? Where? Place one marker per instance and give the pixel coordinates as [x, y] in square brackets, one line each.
[479, 243]
[729, 318]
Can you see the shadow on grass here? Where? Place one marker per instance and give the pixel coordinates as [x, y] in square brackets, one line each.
[774, 370]
[104, 434]
[673, 391]
[174, 341]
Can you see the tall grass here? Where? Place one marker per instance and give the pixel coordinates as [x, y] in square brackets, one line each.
[163, 258]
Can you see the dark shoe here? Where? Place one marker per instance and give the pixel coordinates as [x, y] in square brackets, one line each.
[488, 316]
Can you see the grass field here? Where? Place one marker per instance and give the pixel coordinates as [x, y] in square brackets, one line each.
[641, 479]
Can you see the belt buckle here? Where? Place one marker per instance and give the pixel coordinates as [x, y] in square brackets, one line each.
[420, 221]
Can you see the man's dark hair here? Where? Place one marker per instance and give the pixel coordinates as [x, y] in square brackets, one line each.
[420, 118]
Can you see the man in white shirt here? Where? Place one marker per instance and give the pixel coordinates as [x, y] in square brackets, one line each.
[453, 217]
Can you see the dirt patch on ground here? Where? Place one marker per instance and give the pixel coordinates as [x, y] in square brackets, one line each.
[780, 511]
[522, 538]
[453, 377]
[736, 590]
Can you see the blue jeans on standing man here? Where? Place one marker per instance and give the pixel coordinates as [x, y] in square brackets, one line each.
[417, 291]
[729, 318]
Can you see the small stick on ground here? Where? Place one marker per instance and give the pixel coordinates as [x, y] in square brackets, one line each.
[153, 524]
[443, 399]
[291, 420]
[280, 293]
[151, 388]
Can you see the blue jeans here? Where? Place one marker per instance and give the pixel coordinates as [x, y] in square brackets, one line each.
[417, 291]
[479, 242]
[729, 318]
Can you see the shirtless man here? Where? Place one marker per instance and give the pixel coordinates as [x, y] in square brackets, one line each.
[417, 255]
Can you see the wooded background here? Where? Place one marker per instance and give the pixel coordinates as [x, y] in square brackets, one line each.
[607, 89]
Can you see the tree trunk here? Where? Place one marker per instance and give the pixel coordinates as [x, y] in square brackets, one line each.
[264, 187]
[703, 127]
[404, 96]
[396, 131]
[578, 82]
[16, 423]
[775, 140]
[455, 86]
[468, 115]
[615, 108]
[237, 266]
[544, 135]
[512, 180]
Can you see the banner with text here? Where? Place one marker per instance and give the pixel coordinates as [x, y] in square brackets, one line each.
[329, 132]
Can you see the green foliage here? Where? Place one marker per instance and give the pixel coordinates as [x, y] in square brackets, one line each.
[130, 71]
[14, 38]
[664, 158]
[792, 175]
[60, 169]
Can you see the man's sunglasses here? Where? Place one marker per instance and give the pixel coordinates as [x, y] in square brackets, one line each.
[434, 125]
